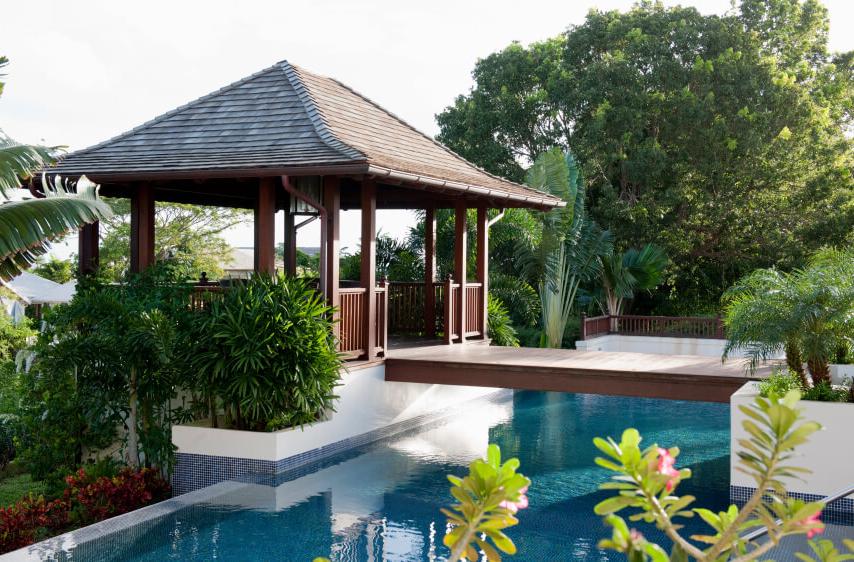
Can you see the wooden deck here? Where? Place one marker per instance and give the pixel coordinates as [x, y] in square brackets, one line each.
[678, 377]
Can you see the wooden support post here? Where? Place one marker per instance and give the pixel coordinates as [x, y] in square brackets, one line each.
[290, 257]
[449, 310]
[483, 267]
[141, 228]
[430, 272]
[87, 248]
[369, 263]
[332, 204]
[460, 255]
[265, 229]
[383, 318]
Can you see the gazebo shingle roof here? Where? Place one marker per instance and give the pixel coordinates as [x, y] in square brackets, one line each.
[285, 117]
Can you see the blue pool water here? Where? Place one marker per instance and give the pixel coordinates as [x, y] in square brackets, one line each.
[381, 502]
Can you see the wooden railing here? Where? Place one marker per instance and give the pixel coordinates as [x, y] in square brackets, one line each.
[474, 309]
[661, 326]
[201, 296]
[351, 324]
[351, 321]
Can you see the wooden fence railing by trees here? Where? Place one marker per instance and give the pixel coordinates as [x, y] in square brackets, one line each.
[661, 326]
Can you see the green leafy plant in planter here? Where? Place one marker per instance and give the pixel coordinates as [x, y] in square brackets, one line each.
[646, 479]
[264, 355]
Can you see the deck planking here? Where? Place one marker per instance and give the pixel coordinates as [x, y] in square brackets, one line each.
[678, 377]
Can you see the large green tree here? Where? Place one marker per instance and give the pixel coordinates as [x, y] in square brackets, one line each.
[720, 138]
[188, 236]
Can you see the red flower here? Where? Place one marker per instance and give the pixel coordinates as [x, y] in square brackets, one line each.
[521, 503]
[814, 518]
[665, 467]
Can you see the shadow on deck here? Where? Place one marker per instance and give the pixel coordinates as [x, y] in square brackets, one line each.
[677, 377]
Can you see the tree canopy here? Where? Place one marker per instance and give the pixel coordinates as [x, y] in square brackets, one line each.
[188, 236]
[726, 140]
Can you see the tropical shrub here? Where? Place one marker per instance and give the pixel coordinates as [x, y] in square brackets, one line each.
[645, 480]
[782, 381]
[808, 313]
[9, 429]
[265, 355]
[85, 500]
[567, 253]
[499, 328]
[104, 371]
[93, 499]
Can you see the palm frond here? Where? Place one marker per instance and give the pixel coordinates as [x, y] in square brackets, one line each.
[20, 161]
[27, 227]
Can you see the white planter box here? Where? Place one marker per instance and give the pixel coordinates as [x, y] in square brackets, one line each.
[840, 374]
[366, 403]
[829, 453]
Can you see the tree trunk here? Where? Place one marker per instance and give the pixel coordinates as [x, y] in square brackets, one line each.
[819, 370]
[132, 453]
[795, 362]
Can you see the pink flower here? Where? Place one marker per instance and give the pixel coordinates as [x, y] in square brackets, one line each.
[665, 467]
[635, 536]
[521, 503]
[814, 518]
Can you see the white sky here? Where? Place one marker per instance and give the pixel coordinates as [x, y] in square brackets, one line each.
[84, 71]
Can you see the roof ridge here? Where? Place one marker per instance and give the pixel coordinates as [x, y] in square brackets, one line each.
[420, 132]
[315, 114]
[175, 111]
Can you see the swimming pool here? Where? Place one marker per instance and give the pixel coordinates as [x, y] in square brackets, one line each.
[381, 502]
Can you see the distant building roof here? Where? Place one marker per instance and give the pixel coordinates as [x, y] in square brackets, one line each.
[286, 118]
[33, 289]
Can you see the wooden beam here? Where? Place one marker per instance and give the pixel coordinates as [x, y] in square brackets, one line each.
[483, 266]
[88, 253]
[290, 244]
[369, 263]
[265, 226]
[141, 228]
[460, 254]
[332, 204]
[429, 271]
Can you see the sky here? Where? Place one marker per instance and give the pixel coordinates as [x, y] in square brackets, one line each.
[84, 71]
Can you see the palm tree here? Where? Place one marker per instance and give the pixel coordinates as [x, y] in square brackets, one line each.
[624, 274]
[808, 313]
[27, 227]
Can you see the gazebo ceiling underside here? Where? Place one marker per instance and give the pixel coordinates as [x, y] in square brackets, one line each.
[286, 121]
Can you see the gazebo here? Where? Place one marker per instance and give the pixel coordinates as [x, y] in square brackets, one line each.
[287, 139]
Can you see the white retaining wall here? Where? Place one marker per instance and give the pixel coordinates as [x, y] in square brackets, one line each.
[829, 453]
[654, 344]
[367, 403]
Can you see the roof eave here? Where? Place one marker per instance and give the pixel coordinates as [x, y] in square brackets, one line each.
[528, 201]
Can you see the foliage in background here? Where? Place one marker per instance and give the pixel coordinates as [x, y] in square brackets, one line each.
[397, 260]
[55, 269]
[499, 327]
[624, 274]
[808, 313]
[645, 481]
[27, 227]
[189, 238]
[264, 354]
[105, 371]
[721, 139]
